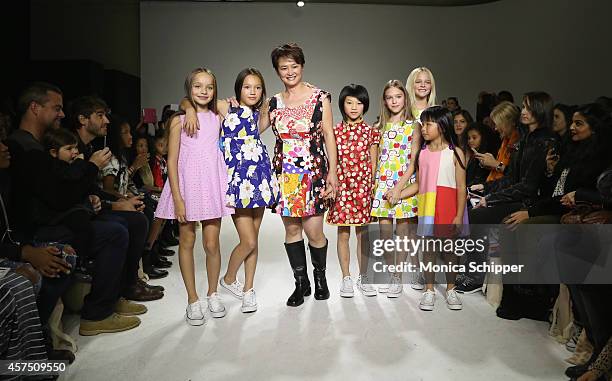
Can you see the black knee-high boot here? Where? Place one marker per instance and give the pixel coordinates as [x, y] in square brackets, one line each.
[296, 252]
[318, 257]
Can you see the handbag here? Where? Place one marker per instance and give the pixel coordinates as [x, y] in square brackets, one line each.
[587, 213]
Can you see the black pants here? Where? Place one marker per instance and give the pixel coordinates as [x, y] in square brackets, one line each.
[479, 217]
[117, 246]
[595, 310]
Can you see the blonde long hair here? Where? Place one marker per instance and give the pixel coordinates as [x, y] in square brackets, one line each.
[431, 98]
[385, 115]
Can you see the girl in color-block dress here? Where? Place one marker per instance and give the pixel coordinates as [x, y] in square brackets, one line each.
[441, 196]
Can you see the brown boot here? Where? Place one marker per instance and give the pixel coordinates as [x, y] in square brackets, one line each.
[113, 323]
[126, 308]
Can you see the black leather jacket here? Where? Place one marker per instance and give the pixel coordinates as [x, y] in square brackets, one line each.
[526, 173]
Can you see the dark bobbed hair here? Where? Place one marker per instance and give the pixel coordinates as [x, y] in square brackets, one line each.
[357, 91]
[240, 81]
[289, 50]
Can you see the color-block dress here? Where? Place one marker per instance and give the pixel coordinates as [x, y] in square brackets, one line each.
[251, 182]
[437, 197]
[394, 155]
[353, 202]
[299, 159]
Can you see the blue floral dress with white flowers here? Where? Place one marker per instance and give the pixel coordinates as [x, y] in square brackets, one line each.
[251, 182]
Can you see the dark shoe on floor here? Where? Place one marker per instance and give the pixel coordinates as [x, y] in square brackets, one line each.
[139, 293]
[466, 285]
[61, 355]
[162, 263]
[155, 273]
[150, 286]
[166, 252]
[576, 370]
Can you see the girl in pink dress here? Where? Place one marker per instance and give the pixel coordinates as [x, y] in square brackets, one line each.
[195, 191]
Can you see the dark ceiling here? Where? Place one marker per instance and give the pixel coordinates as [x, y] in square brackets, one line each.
[434, 3]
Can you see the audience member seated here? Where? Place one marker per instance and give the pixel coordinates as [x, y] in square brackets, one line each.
[21, 332]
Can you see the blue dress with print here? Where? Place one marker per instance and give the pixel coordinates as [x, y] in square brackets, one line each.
[251, 182]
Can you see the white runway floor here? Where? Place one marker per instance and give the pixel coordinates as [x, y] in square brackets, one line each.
[358, 339]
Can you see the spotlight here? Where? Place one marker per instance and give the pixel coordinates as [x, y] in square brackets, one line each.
[300, 4]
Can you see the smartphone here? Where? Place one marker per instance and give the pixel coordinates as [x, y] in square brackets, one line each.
[474, 150]
[104, 141]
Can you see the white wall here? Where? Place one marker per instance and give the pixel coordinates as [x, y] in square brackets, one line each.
[559, 46]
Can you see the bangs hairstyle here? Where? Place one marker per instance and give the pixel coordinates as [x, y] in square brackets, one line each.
[212, 105]
[58, 138]
[356, 91]
[385, 115]
[85, 106]
[541, 106]
[290, 50]
[240, 81]
[505, 112]
[431, 99]
[444, 119]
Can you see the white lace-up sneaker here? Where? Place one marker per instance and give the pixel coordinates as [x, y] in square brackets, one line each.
[194, 314]
[452, 300]
[235, 288]
[346, 290]
[365, 286]
[215, 306]
[249, 301]
[427, 300]
[396, 287]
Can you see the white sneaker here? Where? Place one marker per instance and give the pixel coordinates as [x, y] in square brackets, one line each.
[249, 301]
[395, 288]
[383, 288]
[417, 282]
[427, 300]
[215, 306]
[194, 314]
[452, 300]
[235, 288]
[346, 290]
[366, 288]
